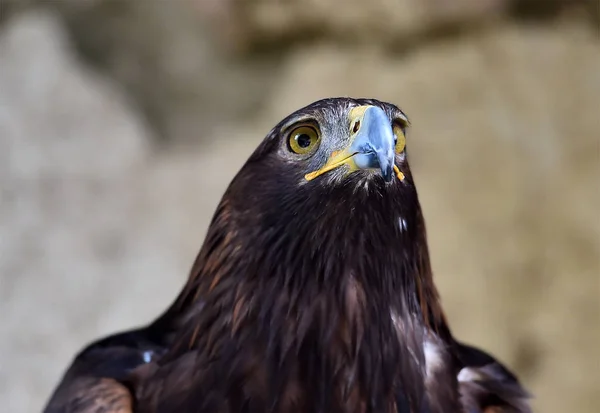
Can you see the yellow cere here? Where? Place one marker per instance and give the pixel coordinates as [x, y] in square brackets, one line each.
[339, 158]
[357, 113]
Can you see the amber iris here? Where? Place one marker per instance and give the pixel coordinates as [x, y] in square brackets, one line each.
[304, 139]
[400, 139]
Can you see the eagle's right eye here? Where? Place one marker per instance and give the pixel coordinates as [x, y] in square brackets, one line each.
[303, 139]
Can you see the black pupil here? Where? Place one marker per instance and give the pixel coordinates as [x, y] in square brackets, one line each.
[303, 140]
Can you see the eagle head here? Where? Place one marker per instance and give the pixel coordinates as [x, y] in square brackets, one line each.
[329, 193]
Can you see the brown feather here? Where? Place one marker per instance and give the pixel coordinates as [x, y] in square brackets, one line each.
[308, 297]
[92, 395]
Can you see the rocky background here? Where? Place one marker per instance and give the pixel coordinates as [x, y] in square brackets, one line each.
[121, 123]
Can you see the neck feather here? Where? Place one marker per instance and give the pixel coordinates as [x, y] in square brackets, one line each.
[344, 287]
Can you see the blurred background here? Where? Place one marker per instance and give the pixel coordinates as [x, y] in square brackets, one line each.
[122, 122]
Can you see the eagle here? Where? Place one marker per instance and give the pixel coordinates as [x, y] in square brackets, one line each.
[312, 292]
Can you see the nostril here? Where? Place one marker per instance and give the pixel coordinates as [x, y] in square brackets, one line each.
[356, 126]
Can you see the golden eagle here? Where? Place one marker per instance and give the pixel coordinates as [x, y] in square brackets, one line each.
[313, 292]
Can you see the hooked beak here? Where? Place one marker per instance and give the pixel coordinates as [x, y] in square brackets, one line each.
[372, 145]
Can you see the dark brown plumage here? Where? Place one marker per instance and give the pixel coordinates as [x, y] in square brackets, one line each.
[313, 292]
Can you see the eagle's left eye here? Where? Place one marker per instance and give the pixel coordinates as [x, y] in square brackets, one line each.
[304, 139]
[400, 139]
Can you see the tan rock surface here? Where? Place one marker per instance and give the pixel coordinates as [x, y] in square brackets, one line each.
[97, 229]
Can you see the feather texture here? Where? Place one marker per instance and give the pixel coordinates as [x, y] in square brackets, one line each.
[306, 297]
